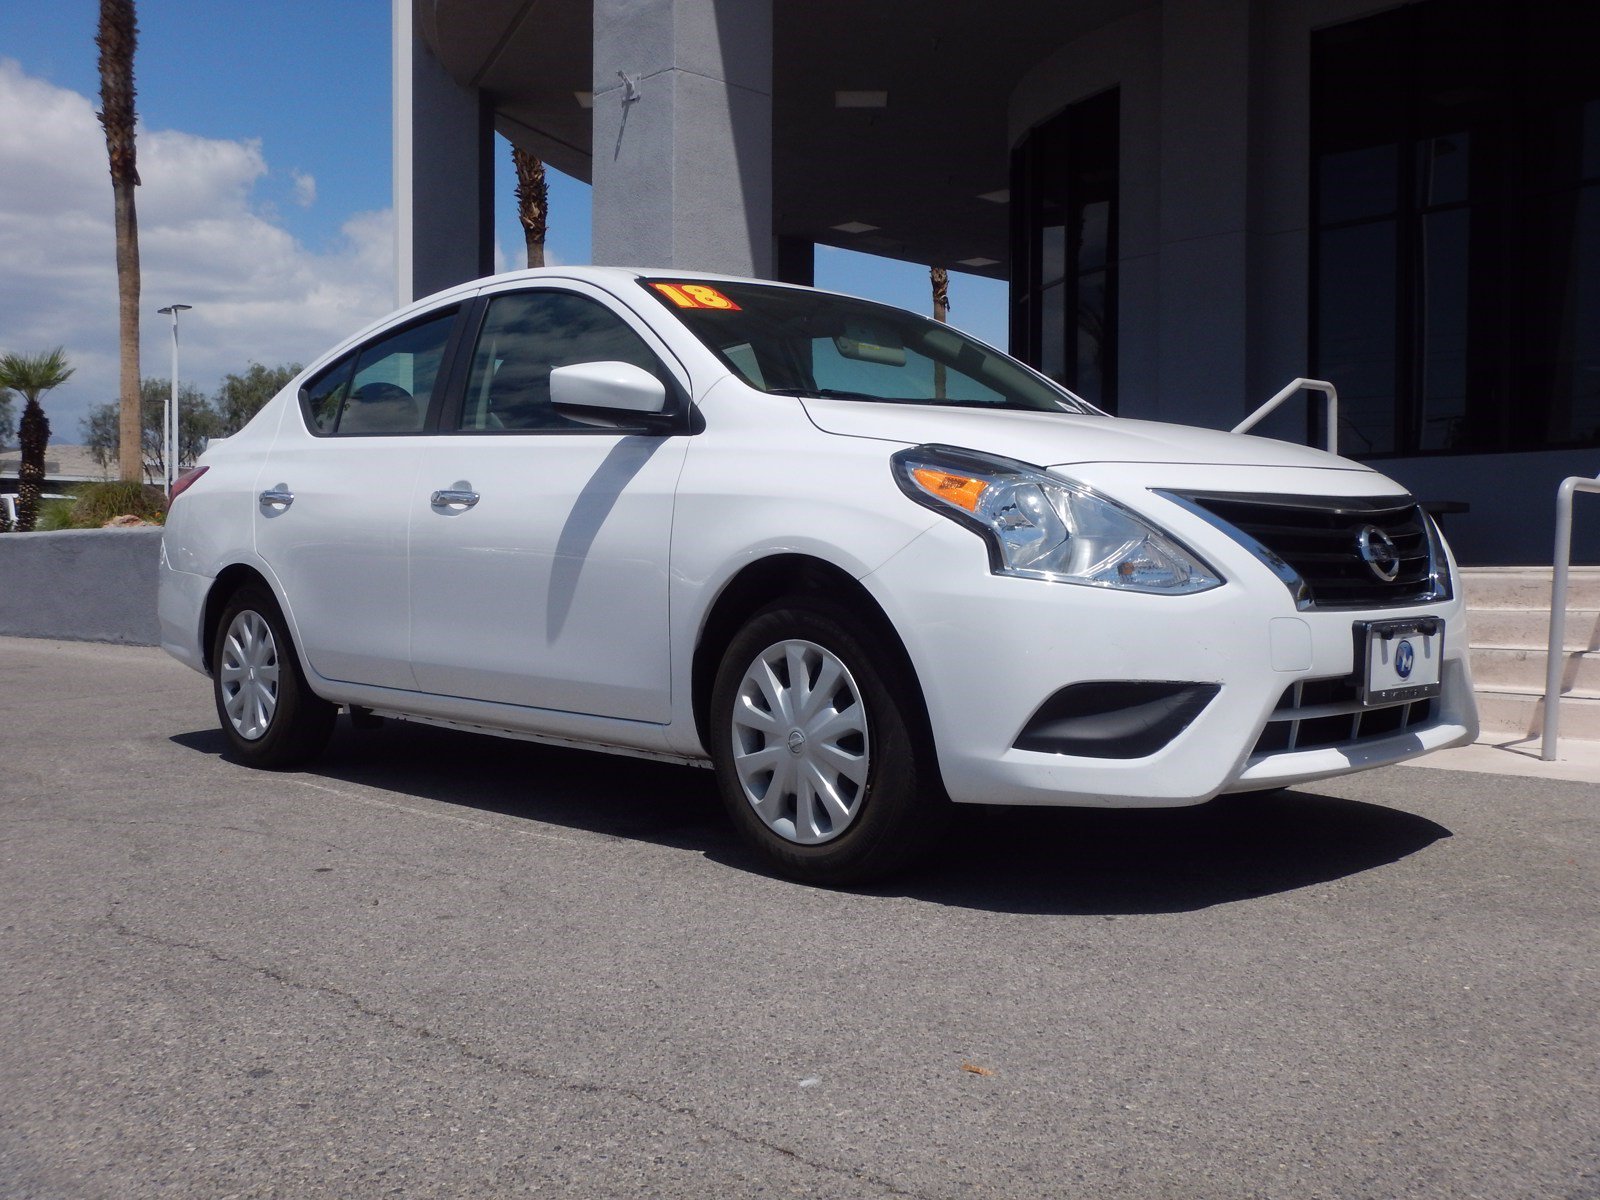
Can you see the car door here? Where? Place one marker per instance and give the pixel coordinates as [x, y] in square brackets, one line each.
[332, 511]
[539, 544]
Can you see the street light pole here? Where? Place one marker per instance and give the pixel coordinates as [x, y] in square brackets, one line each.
[169, 424]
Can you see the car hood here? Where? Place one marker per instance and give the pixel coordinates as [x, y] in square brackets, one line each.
[1062, 439]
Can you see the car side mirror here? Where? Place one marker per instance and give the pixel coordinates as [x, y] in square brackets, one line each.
[608, 394]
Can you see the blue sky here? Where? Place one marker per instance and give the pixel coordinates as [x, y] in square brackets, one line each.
[310, 81]
[265, 147]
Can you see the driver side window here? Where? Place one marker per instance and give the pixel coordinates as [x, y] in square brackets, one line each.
[525, 336]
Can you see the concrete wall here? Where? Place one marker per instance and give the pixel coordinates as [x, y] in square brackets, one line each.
[89, 585]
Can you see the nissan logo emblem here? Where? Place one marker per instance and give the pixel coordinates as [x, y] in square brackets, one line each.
[1378, 552]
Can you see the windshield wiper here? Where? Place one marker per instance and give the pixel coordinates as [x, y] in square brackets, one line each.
[822, 393]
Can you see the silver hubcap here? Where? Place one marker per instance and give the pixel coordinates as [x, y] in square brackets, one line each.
[249, 675]
[800, 742]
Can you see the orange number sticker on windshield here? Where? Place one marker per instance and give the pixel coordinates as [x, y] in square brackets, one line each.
[695, 295]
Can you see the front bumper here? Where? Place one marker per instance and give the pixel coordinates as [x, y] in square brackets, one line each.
[989, 650]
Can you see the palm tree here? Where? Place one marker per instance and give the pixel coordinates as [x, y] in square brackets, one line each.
[940, 279]
[118, 37]
[33, 376]
[533, 199]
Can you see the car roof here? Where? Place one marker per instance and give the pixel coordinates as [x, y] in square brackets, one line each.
[599, 275]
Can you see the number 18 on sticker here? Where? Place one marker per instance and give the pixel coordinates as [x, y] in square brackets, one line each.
[695, 295]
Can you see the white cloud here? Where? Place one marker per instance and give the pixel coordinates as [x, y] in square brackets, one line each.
[305, 188]
[204, 239]
[504, 262]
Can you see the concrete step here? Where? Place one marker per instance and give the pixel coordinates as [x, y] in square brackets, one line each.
[1521, 713]
[1518, 667]
[1530, 628]
[1528, 587]
[1508, 628]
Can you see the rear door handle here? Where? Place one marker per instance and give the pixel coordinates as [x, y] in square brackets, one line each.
[453, 498]
[277, 497]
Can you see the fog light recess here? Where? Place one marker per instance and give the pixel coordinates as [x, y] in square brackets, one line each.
[1114, 719]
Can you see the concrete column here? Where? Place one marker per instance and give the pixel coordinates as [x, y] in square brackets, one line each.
[1205, 141]
[443, 171]
[683, 134]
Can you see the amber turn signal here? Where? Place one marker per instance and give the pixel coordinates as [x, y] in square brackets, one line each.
[961, 490]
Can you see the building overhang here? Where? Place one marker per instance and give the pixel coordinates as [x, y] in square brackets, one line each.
[919, 172]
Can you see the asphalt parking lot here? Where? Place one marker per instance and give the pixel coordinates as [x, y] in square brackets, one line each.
[444, 965]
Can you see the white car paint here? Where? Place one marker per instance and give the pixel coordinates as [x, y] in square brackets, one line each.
[338, 550]
[568, 603]
[563, 562]
[1068, 439]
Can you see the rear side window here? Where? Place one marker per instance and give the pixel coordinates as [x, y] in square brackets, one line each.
[527, 334]
[384, 387]
[324, 396]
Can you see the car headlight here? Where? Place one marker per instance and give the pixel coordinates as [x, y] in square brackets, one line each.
[1038, 526]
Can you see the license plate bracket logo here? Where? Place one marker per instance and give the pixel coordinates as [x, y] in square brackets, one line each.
[1399, 661]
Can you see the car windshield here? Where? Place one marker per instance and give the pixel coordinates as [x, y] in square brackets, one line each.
[796, 342]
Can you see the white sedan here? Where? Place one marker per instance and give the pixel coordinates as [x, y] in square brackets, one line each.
[861, 564]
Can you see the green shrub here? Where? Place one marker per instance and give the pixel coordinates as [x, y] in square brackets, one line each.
[55, 514]
[97, 503]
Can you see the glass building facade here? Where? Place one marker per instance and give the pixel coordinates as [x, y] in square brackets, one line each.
[1456, 226]
[1064, 196]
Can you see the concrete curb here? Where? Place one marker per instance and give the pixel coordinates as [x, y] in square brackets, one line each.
[85, 585]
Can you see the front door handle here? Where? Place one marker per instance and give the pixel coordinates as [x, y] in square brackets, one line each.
[277, 497]
[453, 498]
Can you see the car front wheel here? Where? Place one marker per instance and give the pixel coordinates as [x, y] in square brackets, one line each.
[820, 751]
[269, 715]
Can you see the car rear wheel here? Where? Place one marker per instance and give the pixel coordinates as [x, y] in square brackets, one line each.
[821, 755]
[268, 714]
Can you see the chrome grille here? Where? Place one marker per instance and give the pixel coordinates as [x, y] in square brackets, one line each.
[1314, 543]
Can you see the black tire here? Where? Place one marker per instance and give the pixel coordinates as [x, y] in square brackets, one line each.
[895, 815]
[299, 723]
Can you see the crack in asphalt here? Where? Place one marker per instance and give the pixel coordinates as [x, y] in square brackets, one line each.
[465, 1050]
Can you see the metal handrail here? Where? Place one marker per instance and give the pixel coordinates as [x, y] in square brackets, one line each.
[1329, 393]
[1556, 651]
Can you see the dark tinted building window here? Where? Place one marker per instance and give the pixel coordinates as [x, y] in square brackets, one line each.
[1456, 214]
[1064, 253]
